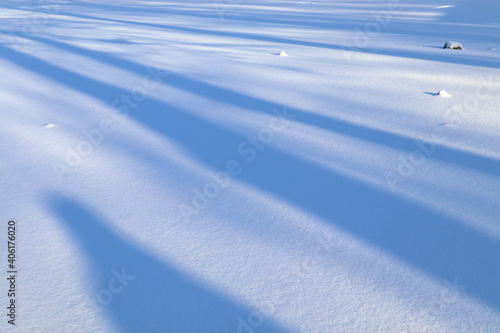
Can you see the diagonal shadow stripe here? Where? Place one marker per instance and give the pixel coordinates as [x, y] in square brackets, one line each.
[148, 295]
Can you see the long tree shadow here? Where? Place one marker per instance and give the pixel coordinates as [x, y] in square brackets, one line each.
[231, 97]
[307, 19]
[476, 12]
[441, 246]
[456, 17]
[143, 294]
[439, 57]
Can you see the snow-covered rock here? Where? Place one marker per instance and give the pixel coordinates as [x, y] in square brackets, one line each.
[453, 45]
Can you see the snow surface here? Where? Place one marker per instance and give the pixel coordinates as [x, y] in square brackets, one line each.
[356, 203]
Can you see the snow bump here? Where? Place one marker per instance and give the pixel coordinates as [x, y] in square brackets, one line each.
[443, 93]
[452, 45]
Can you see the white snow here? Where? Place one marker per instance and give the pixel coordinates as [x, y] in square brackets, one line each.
[167, 173]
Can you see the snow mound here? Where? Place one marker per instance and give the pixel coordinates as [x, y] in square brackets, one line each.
[443, 93]
[282, 54]
[453, 45]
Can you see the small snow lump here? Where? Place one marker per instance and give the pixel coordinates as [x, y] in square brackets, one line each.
[453, 45]
[443, 93]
